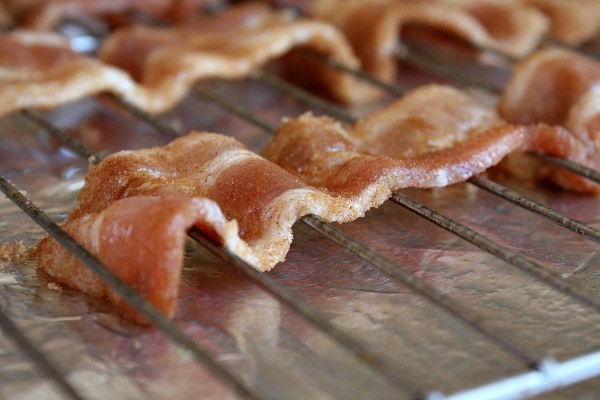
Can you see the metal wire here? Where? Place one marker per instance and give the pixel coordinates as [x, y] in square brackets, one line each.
[578, 169]
[531, 267]
[537, 208]
[314, 100]
[60, 135]
[360, 352]
[424, 64]
[130, 295]
[469, 317]
[389, 88]
[40, 361]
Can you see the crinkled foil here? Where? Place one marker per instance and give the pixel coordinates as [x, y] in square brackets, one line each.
[273, 351]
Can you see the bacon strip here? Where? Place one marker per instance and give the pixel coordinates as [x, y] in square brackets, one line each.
[373, 27]
[38, 70]
[573, 21]
[433, 136]
[557, 87]
[233, 44]
[142, 240]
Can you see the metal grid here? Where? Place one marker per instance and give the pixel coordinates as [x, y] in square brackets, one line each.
[366, 366]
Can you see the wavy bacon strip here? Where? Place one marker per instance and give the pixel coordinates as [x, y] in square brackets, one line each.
[557, 87]
[136, 206]
[233, 44]
[373, 27]
[573, 21]
[142, 240]
[38, 70]
[433, 136]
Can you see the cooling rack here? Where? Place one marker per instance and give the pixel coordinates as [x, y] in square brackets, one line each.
[481, 290]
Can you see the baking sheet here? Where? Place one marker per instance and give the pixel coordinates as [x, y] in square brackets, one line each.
[276, 353]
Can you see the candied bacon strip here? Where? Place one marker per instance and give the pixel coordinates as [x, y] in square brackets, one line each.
[38, 70]
[130, 48]
[374, 26]
[573, 22]
[433, 136]
[141, 239]
[557, 87]
[231, 45]
[263, 198]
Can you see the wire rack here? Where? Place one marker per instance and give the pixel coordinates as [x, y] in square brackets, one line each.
[482, 290]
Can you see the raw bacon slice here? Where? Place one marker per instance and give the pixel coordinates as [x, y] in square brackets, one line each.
[374, 27]
[38, 70]
[142, 240]
[557, 87]
[433, 136]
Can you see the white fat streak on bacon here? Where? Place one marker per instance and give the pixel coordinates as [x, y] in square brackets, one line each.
[374, 27]
[49, 74]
